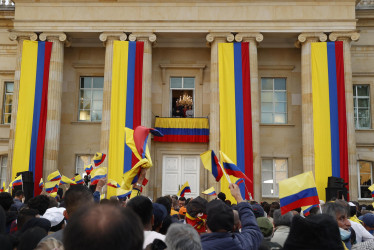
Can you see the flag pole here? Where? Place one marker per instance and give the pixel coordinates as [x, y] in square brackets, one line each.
[227, 177]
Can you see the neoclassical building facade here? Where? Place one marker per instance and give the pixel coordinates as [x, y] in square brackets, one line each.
[180, 73]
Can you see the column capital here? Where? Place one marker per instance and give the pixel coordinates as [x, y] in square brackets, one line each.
[148, 36]
[344, 36]
[249, 36]
[16, 35]
[60, 36]
[113, 35]
[220, 35]
[310, 37]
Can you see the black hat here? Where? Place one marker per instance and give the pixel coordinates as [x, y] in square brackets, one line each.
[220, 216]
[258, 210]
[314, 232]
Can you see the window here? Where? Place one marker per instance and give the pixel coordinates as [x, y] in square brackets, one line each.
[8, 101]
[182, 96]
[273, 101]
[81, 161]
[91, 98]
[365, 169]
[361, 104]
[3, 170]
[272, 172]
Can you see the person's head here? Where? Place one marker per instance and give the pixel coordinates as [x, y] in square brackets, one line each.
[56, 216]
[50, 244]
[338, 212]
[182, 237]
[103, 227]
[52, 202]
[30, 238]
[265, 226]
[196, 209]
[77, 196]
[143, 207]
[6, 201]
[25, 214]
[19, 194]
[166, 202]
[40, 203]
[368, 221]
[282, 220]
[182, 201]
[258, 211]
[221, 196]
[159, 214]
[182, 213]
[352, 210]
[220, 216]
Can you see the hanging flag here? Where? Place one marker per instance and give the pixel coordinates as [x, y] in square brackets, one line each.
[306, 209]
[210, 191]
[121, 193]
[371, 188]
[55, 176]
[235, 111]
[41, 183]
[113, 184]
[98, 159]
[125, 107]
[297, 191]
[88, 168]
[3, 187]
[97, 174]
[329, 113]
[184, 189]
[17, 182]
[66, 180]
[32, 110]
[239, 181]
[231, 168]
[51, 186]
[211, 163]
[77, 180]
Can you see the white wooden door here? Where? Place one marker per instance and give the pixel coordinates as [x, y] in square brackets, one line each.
[176, 170]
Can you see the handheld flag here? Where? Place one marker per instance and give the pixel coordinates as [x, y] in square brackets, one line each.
[51, 186]
[17, 182]
[371, 188]
[210, 191]
[41, 183]
[113, 184]
[77, 180]
[88, 168]
[3, 187]
[66, 180]
[297, 191]
[121, 193]
[239, 181]
[53, 194]
[231, 168]
[184, 189]
[306, 210]
[97, 174]
[99, 158]
[55, 176]
[211, 163]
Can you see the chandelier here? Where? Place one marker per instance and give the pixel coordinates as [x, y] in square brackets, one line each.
[185, 100]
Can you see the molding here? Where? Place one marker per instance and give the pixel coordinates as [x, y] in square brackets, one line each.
[112, 35]
[363, 74]
[365, 145]
[223, 35]
[16, 35]
[352, 35]
[276, 125]
[53, 36]
[6, 72]
[276, 67]
[165, 67]
[87, 66]
[142, 36]
[258, 37]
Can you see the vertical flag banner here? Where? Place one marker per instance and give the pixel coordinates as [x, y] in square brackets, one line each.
[125, 107]
[32, 110]
[235, 110]
[329, 113]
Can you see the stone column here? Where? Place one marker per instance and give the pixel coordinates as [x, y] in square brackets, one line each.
[304, 41]
[108, 39]
[19, 37]
[347, 37]
[254, 39]
[56, 71]
[214, 136]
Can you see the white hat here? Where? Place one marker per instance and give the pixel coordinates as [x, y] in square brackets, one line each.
[55, 215]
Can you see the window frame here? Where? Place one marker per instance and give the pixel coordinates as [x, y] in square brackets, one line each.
[359, 181]
[274, 174]
[355, 109]
[1, 169]
[171, 93]
[91, 104]
[3, 105]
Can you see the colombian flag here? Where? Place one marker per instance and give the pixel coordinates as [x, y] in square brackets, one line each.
[371, 188]
[88, 168]
[232, 169]
[329, 113]
[98, 159]
[3, 187]
[210, 191]
[211, 163]
[113, 184]
[297, 191]
[97, 174]
[184, 189]
[41, 183]
[77, 180]
[17, 182]
[236, 111]
[32, 110]
[121, 193]
[51, 186]
[239, 181]
[66, 180]
[55, 176]
[306, 210]
[125, 107]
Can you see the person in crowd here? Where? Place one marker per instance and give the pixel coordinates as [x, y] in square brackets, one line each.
[368, 222]
[258, 211]
[220, 222]
[159, 214]
[182, 214]
[52, 202]
[266, 207]
[40, 203]
[6, 202]
[143, 207]
[267, 228]
[103, 227]
[181, 202]
[221, 196]
[237, 223]
[5, 240]
[166, 202]
[196, 214]
[314, 232]
[36, 222]
[31, 237]
[182, 237]
[50, 244]
[174, 206]
[24, 215]
[18, 200]
[282, 224]
[56, 216]
[361, 233]
[189, 112]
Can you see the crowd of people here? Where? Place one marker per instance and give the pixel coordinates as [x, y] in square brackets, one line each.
[80, 220]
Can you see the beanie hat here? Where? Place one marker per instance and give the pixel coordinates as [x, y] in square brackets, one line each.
[265, 226]
[182, 211]
[258, 210]
[314, 232]
[368, 219]
[220, 216]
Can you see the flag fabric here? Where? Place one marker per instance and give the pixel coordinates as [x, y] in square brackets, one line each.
[88, 168]
[231, 168]
[371, 188]
[3, 187]
[329, 113]
[66, 180]
[41, 183]
[17, 182]
[297, 191]
[184, 189]
[55, 176]
[51, 186]
[77, 179]
[122, 193]
[210, 191]
[239, 181]
[113, 184]
[211, 163]
[97, 174]
[125, 106]
[306, 210]
[235, 110]
[53, 194]
[32, 110]
[182, 129]
[98, 159]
